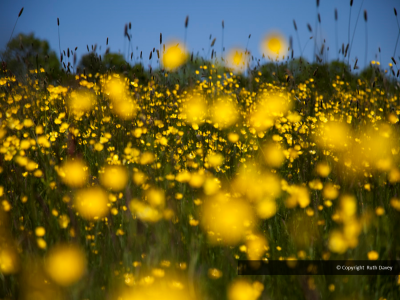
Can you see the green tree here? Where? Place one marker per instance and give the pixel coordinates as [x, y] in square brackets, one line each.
[93, 63]
[26, 52]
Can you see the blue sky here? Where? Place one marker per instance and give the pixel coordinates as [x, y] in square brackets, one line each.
[91, 22]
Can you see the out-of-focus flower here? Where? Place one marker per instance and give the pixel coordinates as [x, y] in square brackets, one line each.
[236, 60]
[195, 109]
[243, 290]
[114, 177]
[274, 45]
[273, 155]
[215, 159]
[122, 103]
[224, 112]
[323, 169]
[145, 212]
[162, 289]
[333, 135]
[9, 260]
[226, 220]
[91, 203]
[298, 196]
[65, 264]
[174, 56]
[81, 101]
[256, 246]
[73, 173]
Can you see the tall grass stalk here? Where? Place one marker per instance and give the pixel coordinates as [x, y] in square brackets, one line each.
[398, 26]
[354, 32]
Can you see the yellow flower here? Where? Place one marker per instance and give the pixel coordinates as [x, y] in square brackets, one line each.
[330, 192]
[114, 177]
[73, 173]
[323, 169]
[115, 88]
[40, 231]
[337, 242]
[139, 177]
[125, 108]
[256, 246]
[174, 56]
[215, 159]
[9, 260]
[144, 212]
[224, 113]
[243, 290]
[274, 45]
[155, 197]
[266, 208]
[226, 220]
[236, 59]
[298, 195]
[195, 109]
[91, 203]
[273, 155]
[233, 137]
[81, 101]
[65, 264]
[146, 158]
[373, 255]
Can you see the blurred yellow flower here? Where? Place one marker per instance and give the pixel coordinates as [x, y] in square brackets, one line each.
[236, 59]
[81, 101]
[373, 255]
[255, 184]
[348, 206]
[211, 186]
[40, 231]
[266, 208]
[298, 196]
[233, 137]
[155, 197]
[315, 184]
[274, 45]
[334, 135]
[224, 112]
[195, 109]
[273, 155]
[256, 246]
[243, 290]
[91, 203]
[337, 242]
[125, 108]
[196, 179]
[323, 169]
[114, 177]
[395, 203]
[9, 260]
[118, 90]
[226, 220]
[146, 158]
[270, 106]
[215, 159]
[115, 88]
[330, 192]
[152, 289]
[214, 273]
[174, 56]
[145, 212]
[139, 177]
[65, 264]
[73, 173]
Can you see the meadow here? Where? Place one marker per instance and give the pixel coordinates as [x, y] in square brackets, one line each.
[118, 187]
